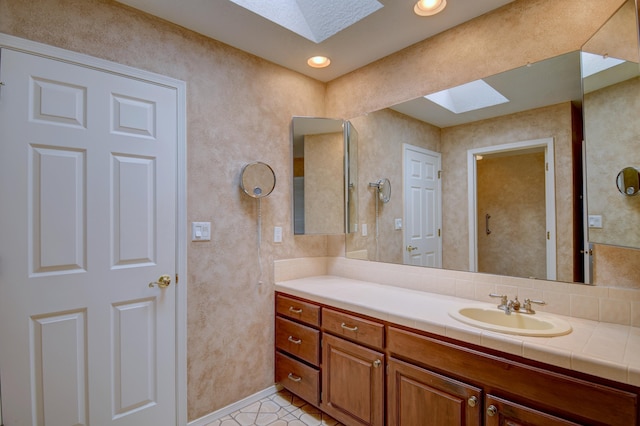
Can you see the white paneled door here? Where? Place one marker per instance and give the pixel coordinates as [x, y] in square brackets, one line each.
[422, 209]
[87, 222]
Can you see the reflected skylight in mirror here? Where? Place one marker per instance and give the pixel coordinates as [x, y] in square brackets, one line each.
[468, 97]
[593, 64]
[312, 19]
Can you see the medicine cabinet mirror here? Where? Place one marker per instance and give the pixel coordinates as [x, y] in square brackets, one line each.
[324, 154]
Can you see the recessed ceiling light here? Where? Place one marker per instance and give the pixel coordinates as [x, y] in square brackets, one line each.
[429, 7]
[318, 61]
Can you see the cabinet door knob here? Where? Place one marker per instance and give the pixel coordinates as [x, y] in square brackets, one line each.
[472, 401]
[492, 411]
[377, 363]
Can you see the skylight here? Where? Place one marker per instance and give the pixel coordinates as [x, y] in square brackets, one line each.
[593, 64]
[312, 19]
[468, 97]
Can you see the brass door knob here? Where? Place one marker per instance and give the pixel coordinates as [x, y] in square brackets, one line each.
[411, 248]
[163, 281]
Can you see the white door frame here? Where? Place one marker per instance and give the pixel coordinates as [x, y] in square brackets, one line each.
[550, 197]
[56, 53]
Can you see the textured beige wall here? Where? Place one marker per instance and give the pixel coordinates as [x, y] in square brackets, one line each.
[525, 31]
[511, 189]
[380, 138]
[611, 130]
[238, 110]
[554, 121]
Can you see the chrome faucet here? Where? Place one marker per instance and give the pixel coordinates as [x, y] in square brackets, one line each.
[509, 306]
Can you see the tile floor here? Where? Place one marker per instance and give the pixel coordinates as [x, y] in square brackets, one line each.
[279, 409]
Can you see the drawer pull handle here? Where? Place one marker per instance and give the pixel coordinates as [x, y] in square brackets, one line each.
[294, 340]
[492, 411]
[294, 378]
[346, 327]
[295, 310]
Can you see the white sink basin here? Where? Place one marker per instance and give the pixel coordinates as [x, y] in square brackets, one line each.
[515, 323]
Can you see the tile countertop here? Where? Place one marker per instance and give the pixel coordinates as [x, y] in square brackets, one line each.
[605, 350]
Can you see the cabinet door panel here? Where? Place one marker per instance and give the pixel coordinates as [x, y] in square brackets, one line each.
[419, 397]
[507, 413]
[352, 382]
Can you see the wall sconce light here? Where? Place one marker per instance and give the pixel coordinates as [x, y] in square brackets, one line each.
[429, 7]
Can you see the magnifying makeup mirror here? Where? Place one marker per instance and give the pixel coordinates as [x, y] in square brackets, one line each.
[628, 181]
[257, 180]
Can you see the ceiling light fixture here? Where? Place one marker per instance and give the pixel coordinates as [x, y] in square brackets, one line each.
[429, 7]
[318, 61]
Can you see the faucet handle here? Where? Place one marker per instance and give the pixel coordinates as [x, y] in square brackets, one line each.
[528, 302]
[503, 297]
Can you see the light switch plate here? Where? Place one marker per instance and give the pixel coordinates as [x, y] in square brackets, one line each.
[398, 223]
[595, 221]
[277, 234]
[200, 231]
[364, 229]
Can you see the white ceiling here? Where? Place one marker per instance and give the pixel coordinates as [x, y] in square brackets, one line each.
[381, 33]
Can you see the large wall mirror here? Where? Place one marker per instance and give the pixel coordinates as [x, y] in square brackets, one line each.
[471, 181]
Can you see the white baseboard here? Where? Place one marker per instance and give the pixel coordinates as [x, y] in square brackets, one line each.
[232, 408]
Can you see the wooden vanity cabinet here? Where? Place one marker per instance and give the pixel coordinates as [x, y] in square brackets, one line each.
[297, 343]
[353, 368]
[365, 372]
[352, 382]
[417, 397]
[517, 393]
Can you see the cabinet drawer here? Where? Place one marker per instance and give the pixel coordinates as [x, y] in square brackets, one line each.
[298, 340]
[297, 309]
[299, 378]
[353, 328]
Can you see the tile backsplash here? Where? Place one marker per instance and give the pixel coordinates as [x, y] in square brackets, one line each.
[605, 304]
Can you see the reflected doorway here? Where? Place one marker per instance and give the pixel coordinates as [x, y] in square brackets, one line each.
[512, 209]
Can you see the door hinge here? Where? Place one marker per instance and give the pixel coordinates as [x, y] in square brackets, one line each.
[546, 166]
[548, 235]
[439, 232]
[439, 174]
[177, 279]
